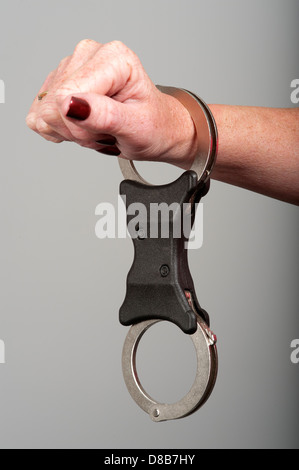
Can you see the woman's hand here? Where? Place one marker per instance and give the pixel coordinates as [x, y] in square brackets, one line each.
[100, 97]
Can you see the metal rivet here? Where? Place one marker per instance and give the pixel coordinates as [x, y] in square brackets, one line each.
[164, 270]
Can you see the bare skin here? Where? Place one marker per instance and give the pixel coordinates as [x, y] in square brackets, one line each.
[258, 147]
[259, 150]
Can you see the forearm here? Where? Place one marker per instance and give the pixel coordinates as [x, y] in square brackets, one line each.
[259, 150]
[117, 110]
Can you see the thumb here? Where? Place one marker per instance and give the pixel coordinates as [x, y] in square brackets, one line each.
[93, 113]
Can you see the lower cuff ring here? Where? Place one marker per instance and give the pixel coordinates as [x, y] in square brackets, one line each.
[207, 365]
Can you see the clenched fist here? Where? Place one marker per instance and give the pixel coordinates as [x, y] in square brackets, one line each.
[101, 97]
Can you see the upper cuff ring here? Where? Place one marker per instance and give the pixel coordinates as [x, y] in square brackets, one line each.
[207, 136]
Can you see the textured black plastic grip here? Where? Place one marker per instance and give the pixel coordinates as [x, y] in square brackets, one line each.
[159, 277]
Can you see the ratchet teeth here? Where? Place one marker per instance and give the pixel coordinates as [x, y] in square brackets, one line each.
[190, 300]
[212, 337]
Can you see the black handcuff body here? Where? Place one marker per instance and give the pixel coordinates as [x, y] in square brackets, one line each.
[159, 283]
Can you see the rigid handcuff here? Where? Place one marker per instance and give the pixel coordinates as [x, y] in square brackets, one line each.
[159, 283]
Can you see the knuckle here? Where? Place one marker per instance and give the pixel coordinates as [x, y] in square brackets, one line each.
[119, 57]
[55, 140]
[63, 63]
[122, 56]
[85, 45]
[31, 121]
[50, 116]
[116, 44]
[119, 48]
[42, 127]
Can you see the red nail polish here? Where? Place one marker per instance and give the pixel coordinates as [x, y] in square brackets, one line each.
[110, 151]
[79, 109]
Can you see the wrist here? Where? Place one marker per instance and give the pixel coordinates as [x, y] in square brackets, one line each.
[186, 145]
[203, 139]
[179, 134]
[186, 134]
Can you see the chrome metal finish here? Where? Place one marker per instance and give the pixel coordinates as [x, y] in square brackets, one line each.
[205, 346]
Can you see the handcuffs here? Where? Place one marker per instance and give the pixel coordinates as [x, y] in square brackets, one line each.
[159, 283]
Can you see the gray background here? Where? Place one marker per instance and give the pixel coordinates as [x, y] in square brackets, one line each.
[61, 287]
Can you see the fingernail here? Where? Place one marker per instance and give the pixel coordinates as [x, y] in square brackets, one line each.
[79, 109]
[110, 151]
[108, 141]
